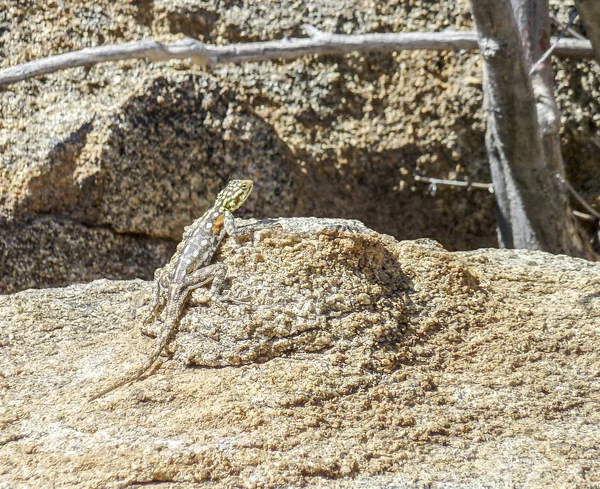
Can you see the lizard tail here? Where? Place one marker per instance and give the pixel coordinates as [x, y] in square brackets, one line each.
[161, 343]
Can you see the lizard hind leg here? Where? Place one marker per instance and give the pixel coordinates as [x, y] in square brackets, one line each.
[218, 284]
[159, 296]
[203, 276]
[215, 273]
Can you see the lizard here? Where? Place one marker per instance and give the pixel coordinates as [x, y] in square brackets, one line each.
[190, 268]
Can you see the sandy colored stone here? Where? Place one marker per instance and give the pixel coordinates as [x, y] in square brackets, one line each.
[156, 162]
[383, 364]
[142, 148]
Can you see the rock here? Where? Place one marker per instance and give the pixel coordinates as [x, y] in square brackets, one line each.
[141, 148]
[52, 251]
[157, 162]
[141, 172]
[358, 361]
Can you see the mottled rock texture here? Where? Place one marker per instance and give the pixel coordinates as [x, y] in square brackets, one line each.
[139, 149]
[359, 361]
[52, 250]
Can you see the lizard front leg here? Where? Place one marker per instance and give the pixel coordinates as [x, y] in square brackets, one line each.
[234, 230]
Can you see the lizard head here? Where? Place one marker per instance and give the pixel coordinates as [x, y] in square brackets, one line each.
[234, 195]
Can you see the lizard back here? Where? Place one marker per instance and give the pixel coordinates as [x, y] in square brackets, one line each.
[202, 238]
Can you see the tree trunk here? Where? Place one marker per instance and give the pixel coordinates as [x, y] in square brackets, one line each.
[533, 22]
[590, 14]
[532, 206]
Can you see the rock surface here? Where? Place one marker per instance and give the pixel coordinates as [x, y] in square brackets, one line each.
[359, 361]
[51, 250]
[140, 149]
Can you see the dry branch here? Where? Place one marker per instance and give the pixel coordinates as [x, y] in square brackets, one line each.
[569, 30]
[578, 196]
[593, 215]
[318, 43]
[585, 217]
[534, 8]
[455, 183]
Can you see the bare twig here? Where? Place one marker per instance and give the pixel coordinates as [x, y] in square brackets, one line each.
[584, 216]
[318, 43]
[455, 183]
[592, 216]
[573, 48]
[569, 30]
[578, 196]
[572, 16]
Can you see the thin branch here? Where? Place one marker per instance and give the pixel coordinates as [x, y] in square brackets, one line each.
[572, 16]
[578, 197]
[593, 215]
[318, 43]
[455, 183]
[569, 30]
[584, 216]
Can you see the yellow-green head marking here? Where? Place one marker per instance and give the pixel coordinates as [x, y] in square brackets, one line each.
[234, 195]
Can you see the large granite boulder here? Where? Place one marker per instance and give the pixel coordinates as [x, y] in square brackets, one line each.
[356, 361]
